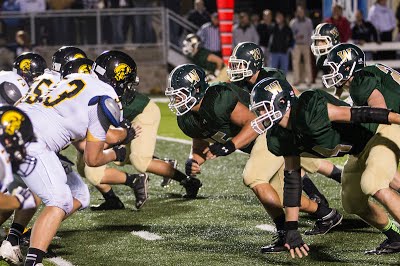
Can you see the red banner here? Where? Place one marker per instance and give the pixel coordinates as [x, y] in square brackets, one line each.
[225, 15]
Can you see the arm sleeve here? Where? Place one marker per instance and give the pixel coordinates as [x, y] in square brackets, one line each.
[98, 125]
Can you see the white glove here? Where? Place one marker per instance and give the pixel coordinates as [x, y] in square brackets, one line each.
[25, 198]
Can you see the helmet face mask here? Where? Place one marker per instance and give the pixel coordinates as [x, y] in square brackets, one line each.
[238, 69]
[266, 116]
[181, 100]
[319, 49]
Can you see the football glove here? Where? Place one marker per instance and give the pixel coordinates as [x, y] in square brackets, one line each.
[120, 152]
[294, 239]
[188, 166]
[219, 149]
[131, 132]
[25, 198]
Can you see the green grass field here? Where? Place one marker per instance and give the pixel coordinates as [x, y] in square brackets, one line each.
[219, 228]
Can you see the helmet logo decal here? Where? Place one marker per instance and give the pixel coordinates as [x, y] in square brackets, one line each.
[76, 56]
[256, 53]
[192, 76]
[345, 55]
[85, 69]
[25, 65]
[12, 120]
[334, 32]
[274, 87]
[121, 71]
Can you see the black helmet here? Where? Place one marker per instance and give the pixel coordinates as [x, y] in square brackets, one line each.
[29, 65]
[16, 132]
[9, 93]
[119, 70]
[80, 65]
[270, 99]
[190, 44]
[327, 33]
[246, 59]
[342, 61]
[186, 87]
[64, 55]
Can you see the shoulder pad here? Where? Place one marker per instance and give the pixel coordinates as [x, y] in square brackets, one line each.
[9, 93]
[109, 108]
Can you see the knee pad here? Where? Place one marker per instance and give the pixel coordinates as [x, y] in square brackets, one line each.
[140, 163]
[79, 189]
[372, 182]
[94, 174]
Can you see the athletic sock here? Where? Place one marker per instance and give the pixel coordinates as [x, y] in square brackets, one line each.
[15, 234]
[392, 232]
[179, 176]
[322, 211]
[34, 256]
[336, 174]
[109, 194]
[130, 179]
[280, 222]
[309, 188]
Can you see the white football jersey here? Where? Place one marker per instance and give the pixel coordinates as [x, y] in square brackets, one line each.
[15, 79]
[65, 115]
[6, 175]
[41, 86]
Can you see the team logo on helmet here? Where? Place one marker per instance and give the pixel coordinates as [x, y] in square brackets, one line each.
[256, 53]
[79, 55]
[121, 71]
[274, 87]
[334, 32]
[192, 76]
[12, 120]
[25, 65]
[345, 55]
[85, 69]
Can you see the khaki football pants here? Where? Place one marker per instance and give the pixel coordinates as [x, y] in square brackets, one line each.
[264, 167]
[371, 170]
[140, 150]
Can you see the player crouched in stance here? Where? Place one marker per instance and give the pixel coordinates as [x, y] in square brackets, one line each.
[316, 124]
[217, 118]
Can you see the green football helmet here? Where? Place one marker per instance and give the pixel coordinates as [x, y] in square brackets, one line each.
[342, 61]
[186, 87]
[246, 59]
[326, 33]
[270, 99]
[190, 44]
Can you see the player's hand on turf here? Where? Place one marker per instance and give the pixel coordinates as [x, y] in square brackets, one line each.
[25, 198]
[217, 149]
[192, 167]
[295, 244]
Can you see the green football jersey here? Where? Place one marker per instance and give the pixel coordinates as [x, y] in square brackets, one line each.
[135, 107]
[265, 72]
[312, 134]
[200, 59]
[212, 122]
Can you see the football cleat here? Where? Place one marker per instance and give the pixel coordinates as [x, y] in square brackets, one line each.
[110, 204]
[386, 247]
[166, 180]
[140, 187]
[11, 254]
[278, 245]
[192, 186]
[324, 225]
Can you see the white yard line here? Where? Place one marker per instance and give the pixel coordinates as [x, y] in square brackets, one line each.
[60, 261]
[267, 227]
[146, 235]
[160, 99]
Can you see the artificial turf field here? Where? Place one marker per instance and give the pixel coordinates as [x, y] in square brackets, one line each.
[218, 228]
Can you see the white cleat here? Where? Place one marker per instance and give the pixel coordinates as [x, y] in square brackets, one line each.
[11, 254]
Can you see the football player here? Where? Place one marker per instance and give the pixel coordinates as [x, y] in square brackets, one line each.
[246, 69]
[219, 114]
[211, 63]
[79, 107]
[316, 124]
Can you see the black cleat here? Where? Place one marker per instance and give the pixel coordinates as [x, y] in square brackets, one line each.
[386, 247]
[192, 186]
[277, 246]
[324, 225]
[140, 187]
[110, 204]
[166, 180]
[320, 200]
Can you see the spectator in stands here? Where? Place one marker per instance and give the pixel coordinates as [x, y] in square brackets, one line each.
[22, 43]
[34, 6]
[280, 42]
[363, 31]
[341, 23]
[89, 23]
[382, 17]
[144, 32]
[255, 19]
[209, 35]
[199, 15]
[117, 22]
[244, 31]
[63, 30]
[264, 30]
[11, 24]
[302, 29]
